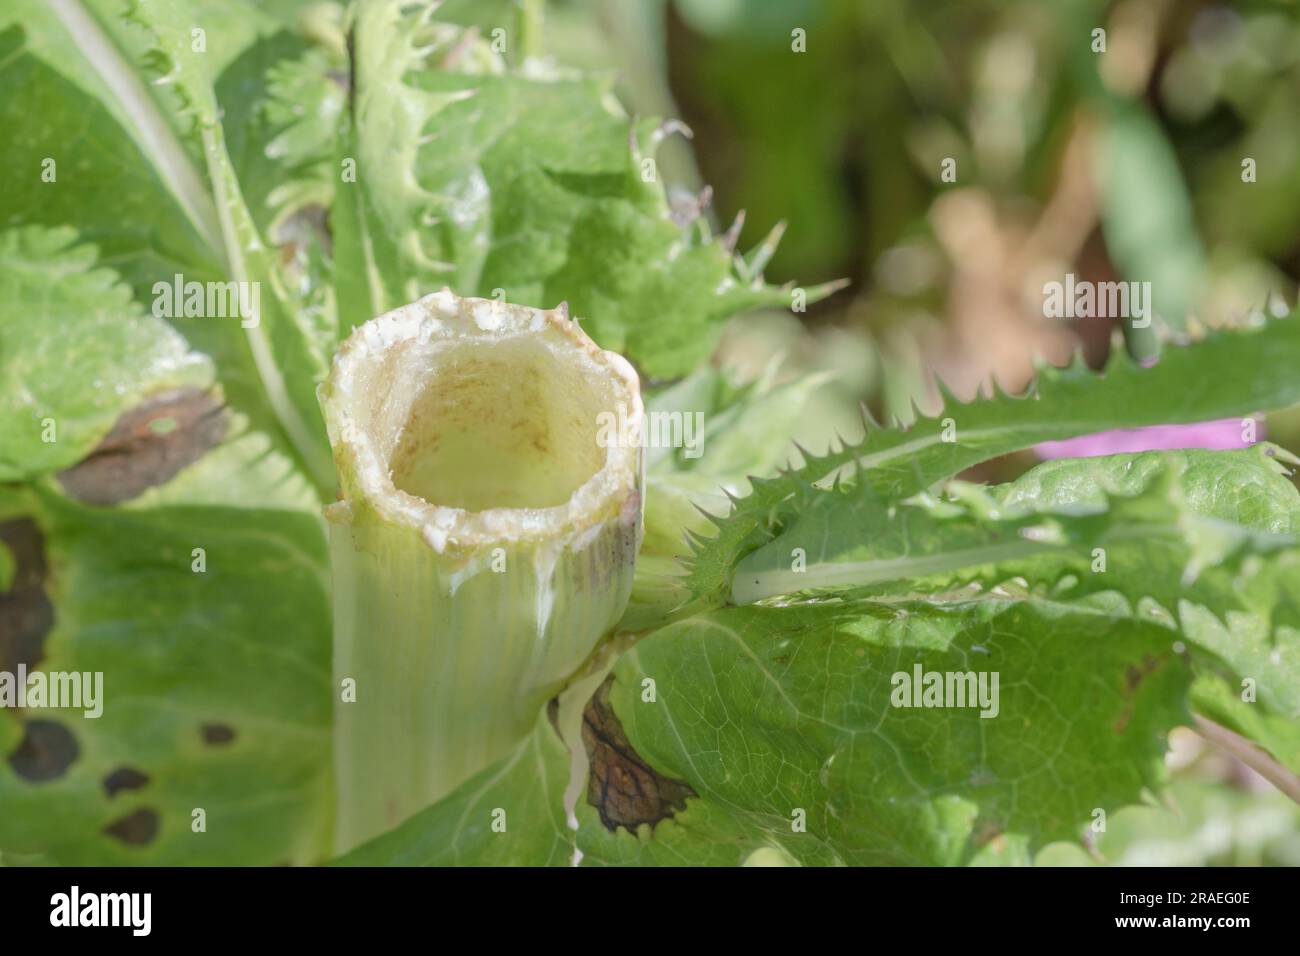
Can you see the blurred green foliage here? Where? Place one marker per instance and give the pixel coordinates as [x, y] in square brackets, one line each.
[845, 141]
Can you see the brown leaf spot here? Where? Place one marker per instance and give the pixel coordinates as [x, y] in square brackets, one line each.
[985, 832]
[124, 778]
[622, 786]
[45, 752]
[217, 735]
[26, 614]
[1134, 675]
[147, 446]
[136, 828]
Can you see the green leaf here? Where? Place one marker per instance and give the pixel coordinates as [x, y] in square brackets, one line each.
[286, 349]
[1209, 536]
[706, 437]
[523, 182]
[1225, 374]
[80, 349]
[305, 99]
[746, 430]
[56, 108]
[214, 661]
[766, 711]
[215, 696]
[727, 434]
[1249, 487]
[511, 814]
[1161, 517]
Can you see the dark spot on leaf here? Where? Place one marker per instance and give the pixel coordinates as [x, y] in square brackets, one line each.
[985, 832]
[1134, 675]
[622, 786]
[26, 614]
[217, 735]
[138, 454]
[45, 752]
[124, 778]
[136, 828]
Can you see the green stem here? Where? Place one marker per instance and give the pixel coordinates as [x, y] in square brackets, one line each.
[1251, 754]
[484, 545]
[532, 20]
[760, 585]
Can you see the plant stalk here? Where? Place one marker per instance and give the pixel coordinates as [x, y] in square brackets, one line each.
[483, 545]
[1251, 754]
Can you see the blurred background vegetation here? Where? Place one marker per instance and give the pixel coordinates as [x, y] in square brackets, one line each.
[1122, 164]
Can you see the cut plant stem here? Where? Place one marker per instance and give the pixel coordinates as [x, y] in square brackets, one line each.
[483, 543]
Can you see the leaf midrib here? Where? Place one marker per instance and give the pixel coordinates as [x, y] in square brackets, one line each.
[163, 147]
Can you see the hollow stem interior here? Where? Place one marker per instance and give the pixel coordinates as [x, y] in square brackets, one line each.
[506, 425]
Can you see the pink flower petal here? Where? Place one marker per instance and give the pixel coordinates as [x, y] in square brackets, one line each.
[1225, 433]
